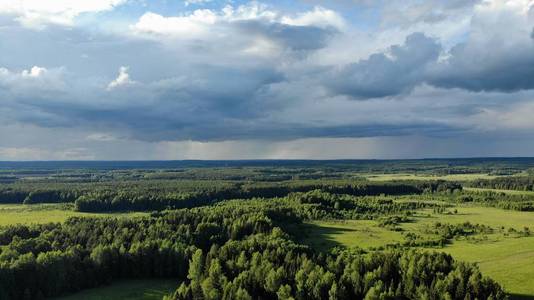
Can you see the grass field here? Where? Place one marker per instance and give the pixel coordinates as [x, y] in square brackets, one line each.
[407, 176]
[506, 258]
[127, 290]
[509, 261]
[323, 235]
[44, 213]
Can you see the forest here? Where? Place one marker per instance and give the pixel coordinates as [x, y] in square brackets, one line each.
[260, 230]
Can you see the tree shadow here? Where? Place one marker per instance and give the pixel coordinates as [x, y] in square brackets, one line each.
[521, 297]
[319, 237]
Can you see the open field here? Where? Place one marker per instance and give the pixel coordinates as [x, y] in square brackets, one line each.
[153, 289]
[365, 234]
[44, 213]
[509, 259]
[408, 176]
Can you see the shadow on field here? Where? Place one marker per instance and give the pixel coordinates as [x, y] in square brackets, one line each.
[521, 297]
[318, 237]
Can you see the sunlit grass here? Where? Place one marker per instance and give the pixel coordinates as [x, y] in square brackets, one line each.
[506, 258]
[407, 176]
[11, 214]
[364, 234]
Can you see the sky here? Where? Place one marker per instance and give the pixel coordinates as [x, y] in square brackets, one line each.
[300, 79]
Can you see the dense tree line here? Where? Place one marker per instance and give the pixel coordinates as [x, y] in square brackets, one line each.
[150, 195]
[272, 267]
[519, 183]
[226, 251]
[60, 191]
[49, 260]
[230, 170]
[318, 204]
[125, 200]
[501, 200]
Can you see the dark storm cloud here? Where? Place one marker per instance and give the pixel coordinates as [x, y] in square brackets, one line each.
[221, 130]
[497, 55]
[490, 69]
[471, 66]
[292, 37]
[384, 75]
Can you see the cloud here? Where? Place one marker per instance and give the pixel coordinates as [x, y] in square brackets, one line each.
[410, 12]
[35, 79]
[387, 74]
[13, 153]
[514, 118]
[250, 76]
[275, 35]
[498, 54]
[101, 137]
[252, 30]
[123, 79]
[34, 72]
[196, 2]
[30, 154]
[37, 13]
[193, 25]
[208, 23]
[319, 16]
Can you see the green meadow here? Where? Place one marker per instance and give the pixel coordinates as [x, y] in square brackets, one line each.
[411, 176]
[506, 257]
[11, 214]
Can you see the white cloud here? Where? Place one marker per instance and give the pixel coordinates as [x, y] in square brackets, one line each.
[38, 13]
[520, 6]
[123, 79]
[35, 79]
[319, 16]
[34, 72]
[251, 11]
[202, 22]
[194, 24]
[197, 2]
